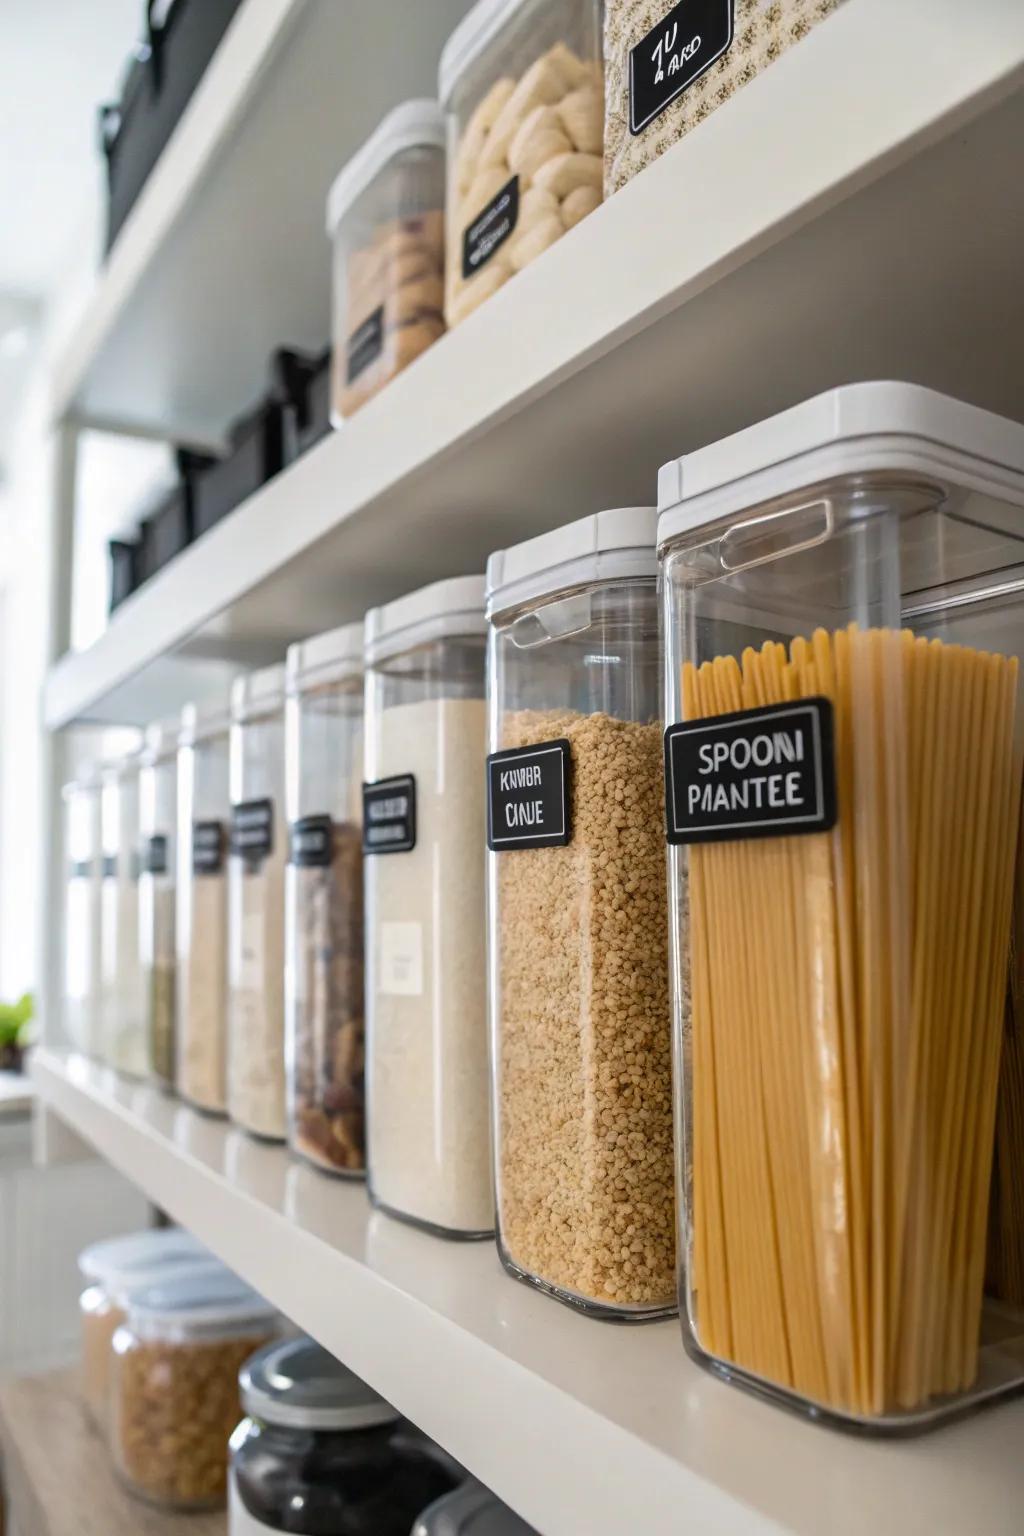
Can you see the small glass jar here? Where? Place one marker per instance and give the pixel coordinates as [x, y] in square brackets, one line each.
[122, 993]
[256, 865]
[470, 1510]
[82, 942]
[385, 217]
[325, 1048]
[158, 811]
[429, 1157]
[843, 601]
[320, 1454]
[579, 1004]
[174, 1385]
[522, 87]
[201, 927]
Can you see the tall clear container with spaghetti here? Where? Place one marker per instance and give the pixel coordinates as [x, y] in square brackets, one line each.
[577, 946]
[844, 612]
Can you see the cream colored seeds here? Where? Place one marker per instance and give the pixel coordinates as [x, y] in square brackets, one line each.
[545, 128]
[585, 1100]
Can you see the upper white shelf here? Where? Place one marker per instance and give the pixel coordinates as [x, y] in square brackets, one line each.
[838, 219]
[579, 1425]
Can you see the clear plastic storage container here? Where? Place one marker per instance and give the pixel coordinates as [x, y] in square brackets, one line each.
[122, 992]
[324, 901]
[320, 1454]
[82, 939]
[668, 66]
[429, 1145]
[578, 944]
[259, 851]
[521, 82]
[844, 597]
[158, 813]
[174, 1385]
[385, 217]
[201, 999]
[470, 1510]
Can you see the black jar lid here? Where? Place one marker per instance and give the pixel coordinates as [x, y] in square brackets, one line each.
[298, 1385]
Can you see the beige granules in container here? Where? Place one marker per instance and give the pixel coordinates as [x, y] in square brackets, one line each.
[763, 30]
[202, 996]
[255, 1065]
[584, 1101]
[428, 1106]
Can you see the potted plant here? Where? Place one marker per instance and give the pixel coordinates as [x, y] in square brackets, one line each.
[15, 1019]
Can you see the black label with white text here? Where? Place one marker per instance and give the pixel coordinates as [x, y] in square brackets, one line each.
[252, 830]
[389, 815]
[108, 868]
[687, 41]
[490, 229]
[528, 797]
[758, 773]
[80, 869]
[154, 855]
[208, 844]
[312, 842]
[364, 345]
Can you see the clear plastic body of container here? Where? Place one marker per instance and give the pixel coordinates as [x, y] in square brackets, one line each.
[158, 813]
[470, 1510]
[522, 87]
[385, 217]
[321, 1452]
[680, 74]
[577, 949]
[82, 940]
[324, 901]
[428, 1121]
[174, 1385]
[201, 928]
[122, 993]
[844, 582]
[256, 865]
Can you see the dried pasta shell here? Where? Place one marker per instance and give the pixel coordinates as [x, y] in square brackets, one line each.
[578, 204]
[482, 120]
[540, 138]
[534, 240]
[565, 173]
[480, 287]
[541, 86]
[569, 65]
[581, 115]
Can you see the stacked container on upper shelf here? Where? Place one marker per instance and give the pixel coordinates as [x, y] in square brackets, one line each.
[122, 994]
[521, 83]
[158, 810]
[429, 1157]
[844, 596]
[82, 937]
[324, 900]
[385, 217]
[577, 917]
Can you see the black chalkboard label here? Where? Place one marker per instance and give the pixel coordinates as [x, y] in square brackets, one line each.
[154, 855]
[389, 815]
[108, 869]
[686, 42]
[252, 830]
[312, 842]
[364, 345]
[758, 773]
[208, 845]
[80, 869]
[490, 228]
[528, 797]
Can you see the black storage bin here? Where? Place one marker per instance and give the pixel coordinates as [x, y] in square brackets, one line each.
[124, 559]
[310, 418]
[166, 532]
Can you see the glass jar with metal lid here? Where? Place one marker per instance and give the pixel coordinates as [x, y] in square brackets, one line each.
[321, 1454]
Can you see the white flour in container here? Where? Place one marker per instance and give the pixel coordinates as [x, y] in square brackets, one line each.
[429, 1112]
[255, 1067]
[202, 995]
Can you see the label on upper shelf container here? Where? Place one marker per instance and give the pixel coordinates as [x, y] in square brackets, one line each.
[528, 797]
[80, 869]
[389, 815]
[312, 842]
[686, 41]
[154, 855]
[490, 229]
[252, 830]
[364, 345]
[765, 772]
[207, 847]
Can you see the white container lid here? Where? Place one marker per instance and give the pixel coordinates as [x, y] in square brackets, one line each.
[299, 1385]
[855, 429]
[201, 1300]
[138, 1252]
[161, 741]
[87, 776]
[605, 546]
[201, 720]
[412, 125]
[469, 39]
[470, 1510]
[339, 651]
[454, 606]
[256, 694]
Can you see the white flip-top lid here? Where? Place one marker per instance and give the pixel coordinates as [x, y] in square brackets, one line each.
[139, 1253]
[161, 741]
[469, 39]
[606, 546]
[201, 1299]
[201, 720]
[470, 1510]
[297, 1384]
[412, 125]
[256, 694]
[855, 429]
[339, 651]
[454, 606]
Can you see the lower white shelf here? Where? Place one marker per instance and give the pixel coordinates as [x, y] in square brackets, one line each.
[582, 1427]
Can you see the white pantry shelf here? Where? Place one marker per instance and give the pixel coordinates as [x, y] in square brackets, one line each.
[837, 220]
[583, 1427]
